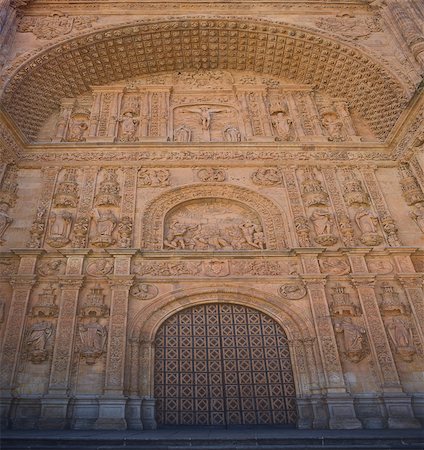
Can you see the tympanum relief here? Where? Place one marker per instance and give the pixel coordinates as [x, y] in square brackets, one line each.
[213, 224]
[211, 106]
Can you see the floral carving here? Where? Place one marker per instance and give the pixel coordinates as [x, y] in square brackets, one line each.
[211, 174]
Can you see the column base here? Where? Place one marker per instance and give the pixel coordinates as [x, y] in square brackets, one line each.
[148, 412]
[399, 411]
[111, 414]
[5, 407]
[418, 407]
[25, 413]
[305, 414]
[85, 412]
[54, 413]
[370, 411]
[133, 413]
[342, 413]
[320, 413]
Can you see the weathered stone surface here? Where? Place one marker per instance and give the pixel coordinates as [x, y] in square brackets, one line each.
[213, 217]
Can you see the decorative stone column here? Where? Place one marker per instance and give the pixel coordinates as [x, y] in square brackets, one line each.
[398, 404]
[22, 284]
[340, 405]
[148, 407]
[112, 405]
[54, 405]
[134, 399]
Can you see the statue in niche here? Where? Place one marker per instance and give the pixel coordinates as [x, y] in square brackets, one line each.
[267, 176]
[93, 339]
[205, 113]
[5, 220]
[36, 341]
[367, 222]
[323, 222]
[59, 229]
[283, 126]
[231, 134]
[400, 333]
[182, 134]
[129, 124]
[417, 216]
[78, 126]
[106, 222]
[354, 339]
[333, 126]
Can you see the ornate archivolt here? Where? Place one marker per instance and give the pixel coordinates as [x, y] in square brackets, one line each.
[280, 50]
[169, 221]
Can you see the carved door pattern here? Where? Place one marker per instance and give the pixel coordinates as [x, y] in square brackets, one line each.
[221, 364]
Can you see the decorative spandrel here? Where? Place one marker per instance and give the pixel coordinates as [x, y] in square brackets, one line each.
[219, 364]
[213, 224]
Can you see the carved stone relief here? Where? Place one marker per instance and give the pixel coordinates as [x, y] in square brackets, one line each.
[36, 340]
[400, 332]
[354, 339]
[293, 291]
[267, 176]
[93, 338]
[213, 225]
[153, 178]
[143, 291]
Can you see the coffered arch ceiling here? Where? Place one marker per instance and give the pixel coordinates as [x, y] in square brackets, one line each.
[144, 48]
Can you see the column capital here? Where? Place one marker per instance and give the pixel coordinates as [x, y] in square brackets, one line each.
[71, 281]
[363, 280]
[411, 281]
[23, 281]
[121, 281]
[75, 252]
[116, 252]
[28, 251]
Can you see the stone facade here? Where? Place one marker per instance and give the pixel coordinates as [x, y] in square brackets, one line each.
[192, 181]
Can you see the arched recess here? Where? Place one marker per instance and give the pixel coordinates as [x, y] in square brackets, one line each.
[297, 326]
[273, 220]
[70, 68]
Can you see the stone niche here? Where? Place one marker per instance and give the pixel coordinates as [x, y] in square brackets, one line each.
[206, 106]
[213, 224]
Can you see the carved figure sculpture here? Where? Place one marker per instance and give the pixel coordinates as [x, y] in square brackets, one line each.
[59, 228]
[80, 232]
[417, 216]
[36, 341]
[322, 221]
[37, 228]
[293, 291]
[231, 134]
[367, 222]
[390, 228]
[78, 128]
[353, 339]
[208, 174]
[253, 234]
[125, 228]
[346, 230]
[5, 220]
[105, 225]
[267, 176]
[175, 236]
[153, 177]
[129, 125]
[205, 114]
[143, 291]
[400, 333]
[99, 267]
[283, 126]
[333, 126]
[182, 134]
[93, 338]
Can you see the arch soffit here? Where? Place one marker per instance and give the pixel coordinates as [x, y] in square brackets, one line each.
[147, 47]
[275, 227]
[290, 317]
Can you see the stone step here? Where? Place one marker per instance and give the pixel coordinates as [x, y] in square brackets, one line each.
[405, 440]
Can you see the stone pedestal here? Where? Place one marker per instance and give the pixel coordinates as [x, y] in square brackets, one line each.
[133, 413]
[399, 411]
[5, 403]
[370, 410]
[54, 412]
[305, 414]
[148, 410]
[111, 414]
[85, 412]
[342, 413]
[320, 412]
[25, 413]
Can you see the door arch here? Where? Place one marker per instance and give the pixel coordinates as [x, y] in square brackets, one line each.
[223, 364]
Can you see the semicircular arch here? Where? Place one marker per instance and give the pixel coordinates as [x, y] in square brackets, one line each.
[148, 47]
